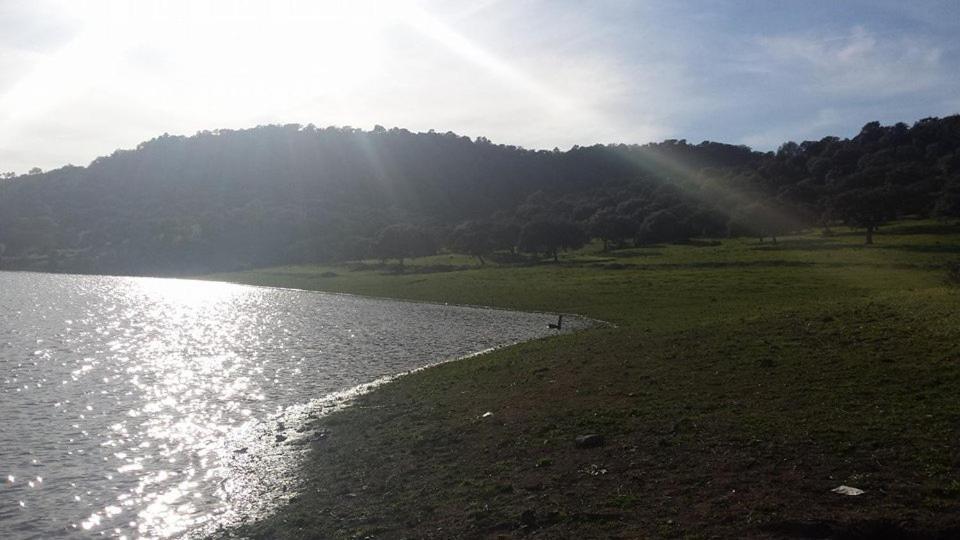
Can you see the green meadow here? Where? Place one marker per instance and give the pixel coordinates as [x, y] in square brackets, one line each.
[736, 385]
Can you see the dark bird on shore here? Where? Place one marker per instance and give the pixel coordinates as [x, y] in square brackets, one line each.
[558, 325]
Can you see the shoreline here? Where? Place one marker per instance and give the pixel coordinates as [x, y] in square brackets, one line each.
[715, 395]
[206, 278]
[302, 434]
[315, 411]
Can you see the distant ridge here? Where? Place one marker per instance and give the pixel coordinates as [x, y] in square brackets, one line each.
[231, 199]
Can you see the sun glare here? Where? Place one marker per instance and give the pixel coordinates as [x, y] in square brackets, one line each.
[215, 57]
[182, 66]
[185, 293]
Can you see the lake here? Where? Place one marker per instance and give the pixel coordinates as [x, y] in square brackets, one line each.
[154, 408]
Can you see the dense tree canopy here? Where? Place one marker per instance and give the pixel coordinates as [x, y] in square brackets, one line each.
[232, 199]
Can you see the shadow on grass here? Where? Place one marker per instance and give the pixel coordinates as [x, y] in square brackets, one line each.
[695, 265]
[409, 269]
[720, 265]
[925, 248]
[736, 264]
[702, 265]
[940, 228]
[629, 253]
[813, 244]
[902, 230]
[427, 269]
[701, 242]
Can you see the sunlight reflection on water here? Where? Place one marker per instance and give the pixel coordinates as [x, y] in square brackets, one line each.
[142, 407]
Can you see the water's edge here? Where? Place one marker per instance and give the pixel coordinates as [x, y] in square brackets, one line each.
[274, 493]
[245, 376]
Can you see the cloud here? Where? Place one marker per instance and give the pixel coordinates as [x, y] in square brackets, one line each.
[859, 64]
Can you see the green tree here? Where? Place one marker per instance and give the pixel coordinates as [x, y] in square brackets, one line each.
[763, 220]
[948, 202]
[402, 241]
[866, 208]
[661, 226]
[550, 237]
[610, 227]
[476, 238]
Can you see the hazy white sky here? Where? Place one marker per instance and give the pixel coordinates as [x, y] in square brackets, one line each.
[79, 78]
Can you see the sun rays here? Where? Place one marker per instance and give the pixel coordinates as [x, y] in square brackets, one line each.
[144, 68]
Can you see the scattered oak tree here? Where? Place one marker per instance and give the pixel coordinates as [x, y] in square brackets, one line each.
[947, 205]
[866, 208]
[505, 235]
[550, 237]
[610, 227]
[402, 241]
[762, 220]
[661, 226]
[476, 238]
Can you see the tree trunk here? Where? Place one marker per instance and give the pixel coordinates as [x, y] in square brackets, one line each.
[870, 234]
[555, 256]
[480, 258]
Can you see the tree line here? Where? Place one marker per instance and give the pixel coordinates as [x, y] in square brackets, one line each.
[282, 194]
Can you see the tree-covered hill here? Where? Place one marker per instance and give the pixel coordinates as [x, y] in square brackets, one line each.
[230, 199]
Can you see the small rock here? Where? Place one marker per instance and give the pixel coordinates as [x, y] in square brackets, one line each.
[281, 438]
[241, 451]
[487, 414]
[591, 440]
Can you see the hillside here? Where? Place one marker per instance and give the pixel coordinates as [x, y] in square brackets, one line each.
[227, 200]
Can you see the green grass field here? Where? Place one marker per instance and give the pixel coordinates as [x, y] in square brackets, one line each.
[741, 383]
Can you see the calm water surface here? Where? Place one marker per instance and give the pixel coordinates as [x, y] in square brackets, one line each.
[143, 408]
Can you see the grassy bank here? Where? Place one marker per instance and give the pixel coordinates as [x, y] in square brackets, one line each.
[743, 382]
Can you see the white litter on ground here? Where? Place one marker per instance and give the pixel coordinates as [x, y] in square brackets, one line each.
[847, 490]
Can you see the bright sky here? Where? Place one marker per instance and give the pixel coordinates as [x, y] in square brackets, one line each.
[81, 78]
